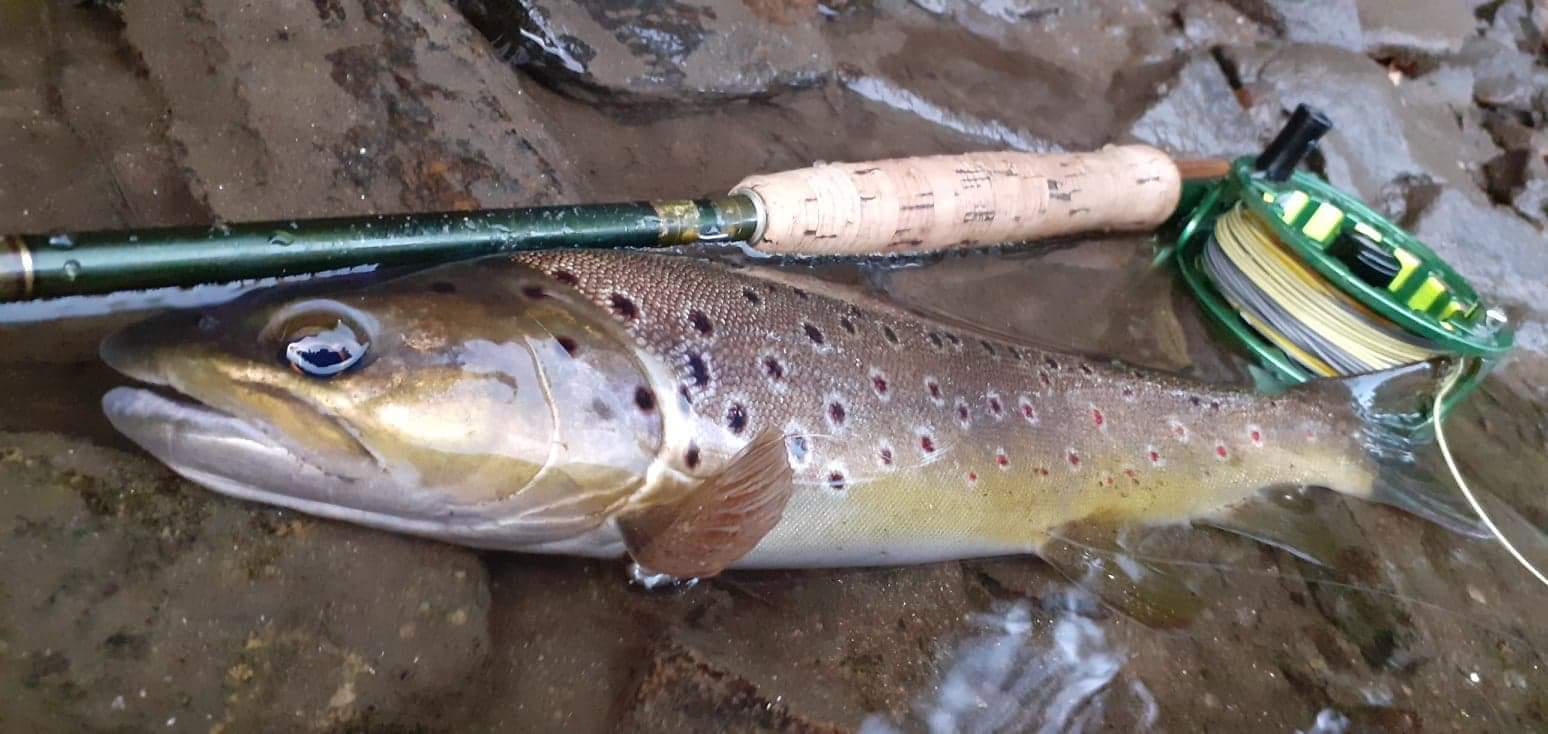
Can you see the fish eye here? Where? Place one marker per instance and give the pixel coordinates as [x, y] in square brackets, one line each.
[325, 352]
[319, 338]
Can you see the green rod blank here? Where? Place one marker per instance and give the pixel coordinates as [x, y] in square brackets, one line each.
[66, 264]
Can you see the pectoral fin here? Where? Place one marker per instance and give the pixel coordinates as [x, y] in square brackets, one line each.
[718, 520]
[1091, 555]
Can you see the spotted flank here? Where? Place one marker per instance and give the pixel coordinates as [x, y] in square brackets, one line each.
[697, 417]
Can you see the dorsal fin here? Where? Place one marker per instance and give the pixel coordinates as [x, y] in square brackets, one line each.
[718, 520]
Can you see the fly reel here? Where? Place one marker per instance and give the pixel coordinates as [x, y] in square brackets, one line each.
[1312, 283]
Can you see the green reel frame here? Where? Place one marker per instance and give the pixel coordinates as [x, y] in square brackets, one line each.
[1431, 300]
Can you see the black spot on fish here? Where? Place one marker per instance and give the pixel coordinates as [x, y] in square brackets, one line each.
[566, 277]
[752, 296]
[624, 306]
[935, 340]
[1086, 368]
[1196, 402]
[701, 323]
[892, 336]
[988, 348]
[773, 368]
[534, 292]
[837, 413]
[1016, 353]
[1051, 363]
[644, 399]
[886, 456]
[443, 287]
[848, 325]
[698, 369]
[814, 333]
[736, 418]
[691, 457]
[803, 295]
[798, 447]
[602, 409]
[568, 344]
[836, 481]
[682, 392]
[934, 388]
[956, 341]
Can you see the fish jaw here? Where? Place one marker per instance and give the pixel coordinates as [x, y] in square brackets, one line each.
[235, 458]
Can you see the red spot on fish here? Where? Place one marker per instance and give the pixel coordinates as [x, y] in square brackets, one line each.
[1221, 452]
[935, 390]
[837, 413]
[926, 444]
[1027, 410]
[1257, 437]
[886, 456]
[1132, 475]
[1073, 458]
[1155, 457]
[962, 413]
[972, 477]
[879, 383]
[1001, 459]
[1097, 417]
[996, 409]
[1180, 431]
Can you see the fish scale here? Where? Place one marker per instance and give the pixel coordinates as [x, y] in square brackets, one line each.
[1015, 443]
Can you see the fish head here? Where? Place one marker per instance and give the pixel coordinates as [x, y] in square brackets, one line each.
[480, 403]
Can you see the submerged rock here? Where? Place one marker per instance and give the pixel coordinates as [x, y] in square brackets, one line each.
[660, 50]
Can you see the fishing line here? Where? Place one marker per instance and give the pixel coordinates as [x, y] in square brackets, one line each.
[1307, 317]
[1451, 463]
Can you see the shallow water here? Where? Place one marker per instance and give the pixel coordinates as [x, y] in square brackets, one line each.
[130, 599]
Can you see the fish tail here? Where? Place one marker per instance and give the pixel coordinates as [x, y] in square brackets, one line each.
[1399, 442]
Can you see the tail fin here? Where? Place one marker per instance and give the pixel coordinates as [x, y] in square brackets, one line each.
[1415, 469]
[1393, 407]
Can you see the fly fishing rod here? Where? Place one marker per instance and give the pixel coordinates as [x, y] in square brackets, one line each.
[909, 205]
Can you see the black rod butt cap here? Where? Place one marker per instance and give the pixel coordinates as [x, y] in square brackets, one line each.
[1293, 142]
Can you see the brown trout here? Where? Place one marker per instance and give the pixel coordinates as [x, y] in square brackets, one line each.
[699, 417]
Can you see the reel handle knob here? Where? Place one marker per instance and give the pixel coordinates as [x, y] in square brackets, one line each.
[1293, 142]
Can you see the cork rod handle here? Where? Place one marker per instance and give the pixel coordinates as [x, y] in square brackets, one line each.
[909, 205]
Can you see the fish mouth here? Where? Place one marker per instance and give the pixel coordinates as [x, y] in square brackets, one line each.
[209, 446]
[234, 457]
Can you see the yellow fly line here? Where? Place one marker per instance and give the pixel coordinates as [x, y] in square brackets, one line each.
[1294, 307]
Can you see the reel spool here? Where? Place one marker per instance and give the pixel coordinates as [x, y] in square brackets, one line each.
[1312, 283]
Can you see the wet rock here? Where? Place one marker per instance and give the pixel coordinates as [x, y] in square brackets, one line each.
[663, 50]
[1504, 77]
[134, 599]
[1501, 254]
[1070, 76]
[341, 107]
[1382, 132]
[1330, 22]
[1426, 27]
[1198, 114]
[1217, 23]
